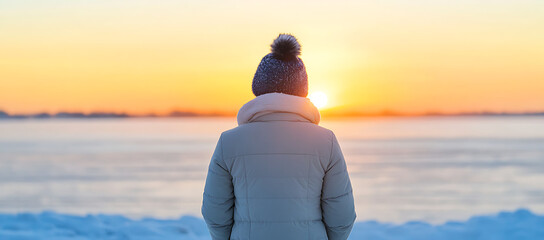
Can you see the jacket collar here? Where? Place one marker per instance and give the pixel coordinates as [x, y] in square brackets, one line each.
[278, 107]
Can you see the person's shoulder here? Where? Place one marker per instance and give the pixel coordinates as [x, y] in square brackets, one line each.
[319, 129]
[323, 129]
[234, 130]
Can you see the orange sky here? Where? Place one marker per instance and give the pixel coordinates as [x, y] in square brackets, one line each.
[155, 56]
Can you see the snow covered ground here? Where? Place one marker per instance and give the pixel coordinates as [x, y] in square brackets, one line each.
[519, 225]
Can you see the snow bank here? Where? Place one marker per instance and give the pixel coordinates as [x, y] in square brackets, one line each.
[518, 225]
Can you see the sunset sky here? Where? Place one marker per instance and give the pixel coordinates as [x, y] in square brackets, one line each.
[366, 56]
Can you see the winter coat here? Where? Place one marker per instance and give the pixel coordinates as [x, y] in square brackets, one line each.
[278, 176]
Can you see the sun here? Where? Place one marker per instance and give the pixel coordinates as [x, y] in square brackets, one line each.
[319, 99]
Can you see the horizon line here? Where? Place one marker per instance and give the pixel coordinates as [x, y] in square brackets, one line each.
[324, 113]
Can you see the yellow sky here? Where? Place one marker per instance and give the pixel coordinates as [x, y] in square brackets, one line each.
[367, 56]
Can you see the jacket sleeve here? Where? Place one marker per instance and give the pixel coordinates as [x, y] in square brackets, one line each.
[337, 204]
[218, 199]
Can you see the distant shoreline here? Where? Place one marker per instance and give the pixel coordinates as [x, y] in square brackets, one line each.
[182, 114]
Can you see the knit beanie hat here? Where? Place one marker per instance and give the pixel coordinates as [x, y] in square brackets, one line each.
[282, 71]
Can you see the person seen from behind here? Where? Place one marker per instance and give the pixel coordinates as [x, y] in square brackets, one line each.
[278, 175]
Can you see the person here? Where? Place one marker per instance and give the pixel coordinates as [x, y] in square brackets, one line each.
[278, 175]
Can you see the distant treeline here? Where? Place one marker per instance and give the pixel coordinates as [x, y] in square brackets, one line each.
[430, 114]
[5, 115]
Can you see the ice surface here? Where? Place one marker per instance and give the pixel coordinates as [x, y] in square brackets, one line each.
[519, 225]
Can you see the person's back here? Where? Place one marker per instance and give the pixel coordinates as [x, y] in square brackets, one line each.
[278, 175]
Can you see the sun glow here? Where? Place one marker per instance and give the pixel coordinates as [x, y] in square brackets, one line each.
[319, 99]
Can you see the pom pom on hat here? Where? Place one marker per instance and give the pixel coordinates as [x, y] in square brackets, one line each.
[285, 47]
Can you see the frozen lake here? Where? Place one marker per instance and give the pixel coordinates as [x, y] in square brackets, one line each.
[430, 168]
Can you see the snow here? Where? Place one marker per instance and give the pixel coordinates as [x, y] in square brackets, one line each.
[519, 225]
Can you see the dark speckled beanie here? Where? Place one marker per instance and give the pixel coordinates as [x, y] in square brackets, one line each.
[282, 71]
